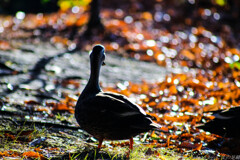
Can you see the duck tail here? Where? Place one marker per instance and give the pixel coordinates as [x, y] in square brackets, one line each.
[155, 125]
[159, 128]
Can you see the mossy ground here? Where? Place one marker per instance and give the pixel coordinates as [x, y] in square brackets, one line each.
[50, 143]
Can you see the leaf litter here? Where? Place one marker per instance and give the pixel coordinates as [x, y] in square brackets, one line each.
[179, 102]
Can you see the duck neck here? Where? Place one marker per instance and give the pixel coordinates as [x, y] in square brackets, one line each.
[93, 83]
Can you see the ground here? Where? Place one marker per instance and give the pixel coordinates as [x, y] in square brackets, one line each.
[43, 127]
[178, 61]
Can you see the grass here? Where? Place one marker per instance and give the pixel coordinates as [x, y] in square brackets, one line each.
[67, 144]
[150, 153]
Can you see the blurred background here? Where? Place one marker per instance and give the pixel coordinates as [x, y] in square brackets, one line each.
[181, 11]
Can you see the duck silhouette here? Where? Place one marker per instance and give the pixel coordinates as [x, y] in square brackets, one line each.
[109, 116]
[226, 123]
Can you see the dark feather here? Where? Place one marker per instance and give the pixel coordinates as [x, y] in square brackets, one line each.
[226, 123]
[113, 114]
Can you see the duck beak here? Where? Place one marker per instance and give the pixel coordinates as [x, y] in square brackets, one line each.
[103, 64]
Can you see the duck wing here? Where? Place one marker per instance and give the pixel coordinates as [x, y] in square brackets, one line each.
[229, 113]
[113, 110]
[126, 100]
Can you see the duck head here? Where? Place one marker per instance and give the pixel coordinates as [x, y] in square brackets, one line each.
[97, 58]
[97, 55]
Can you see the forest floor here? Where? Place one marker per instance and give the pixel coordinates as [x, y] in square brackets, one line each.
[178, 67]
[31, 129]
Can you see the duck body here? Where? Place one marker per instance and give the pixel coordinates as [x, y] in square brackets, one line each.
[226, 123]
[112, 116]
[106, 115]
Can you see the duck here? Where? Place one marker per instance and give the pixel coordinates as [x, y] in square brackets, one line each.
[225, 123]
[107, 115]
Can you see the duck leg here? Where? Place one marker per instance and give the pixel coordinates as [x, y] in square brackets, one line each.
[100, 143]
[131, 143]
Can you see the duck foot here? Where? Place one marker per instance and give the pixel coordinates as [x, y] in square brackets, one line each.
[100, 143]
[131, 144]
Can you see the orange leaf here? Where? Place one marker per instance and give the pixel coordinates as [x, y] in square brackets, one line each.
[54, 149]
[4, 45]
[189, 55]
[5, 153]
[42, 108]
[168, 140]
[209, 108]
[152, 104]
[234, 51]
[186, 135]
[31, 154]
[198, 147]
[164, 129]
[60, 106]
[147, 15]
[38, 149]
[161, 105]
[173, 89]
